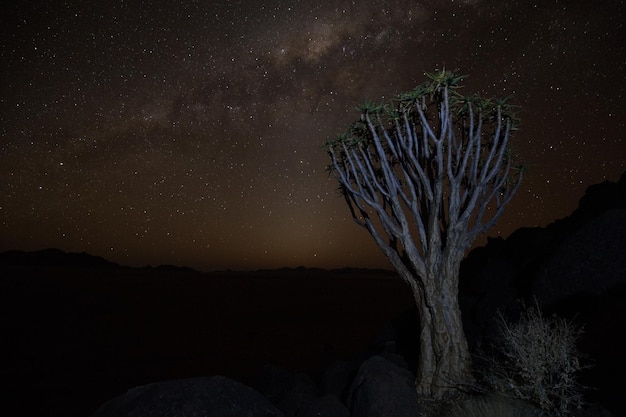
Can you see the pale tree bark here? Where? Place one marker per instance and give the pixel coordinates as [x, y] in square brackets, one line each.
[425, 177]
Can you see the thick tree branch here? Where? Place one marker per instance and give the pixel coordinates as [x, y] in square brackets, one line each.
[425, 176]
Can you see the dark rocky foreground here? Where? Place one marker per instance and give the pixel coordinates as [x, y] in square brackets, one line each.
[74, 338]
[292, 342]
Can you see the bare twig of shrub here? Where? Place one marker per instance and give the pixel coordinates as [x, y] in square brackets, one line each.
[492, 405]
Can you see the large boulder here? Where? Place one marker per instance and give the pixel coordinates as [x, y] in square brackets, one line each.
[273, 382]
[215, 396]
[590, 262]
[325, 406]
[576, 258]
[288, 391]
[382, 388]
[336, 377]
[492, 289]
[303, 392]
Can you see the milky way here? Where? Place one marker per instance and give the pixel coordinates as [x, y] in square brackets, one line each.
[191, 133]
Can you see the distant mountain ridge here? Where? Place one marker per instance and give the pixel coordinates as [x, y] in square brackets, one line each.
[57, 258]
[53, 257]
[534, 242]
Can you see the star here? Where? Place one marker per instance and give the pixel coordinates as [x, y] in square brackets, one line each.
[191, 133]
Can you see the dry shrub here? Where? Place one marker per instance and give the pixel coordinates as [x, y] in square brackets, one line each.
[537, 361]
[492, 405]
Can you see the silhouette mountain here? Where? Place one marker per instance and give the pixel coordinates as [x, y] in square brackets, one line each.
[530, 260]
[526, 248]
[55, 258]
[97, 339]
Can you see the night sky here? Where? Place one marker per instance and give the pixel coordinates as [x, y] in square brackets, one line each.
[191, 132]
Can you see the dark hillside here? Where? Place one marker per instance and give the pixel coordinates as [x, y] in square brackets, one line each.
[54, 258]
[575, 267]
[74, 338]
[78, 330]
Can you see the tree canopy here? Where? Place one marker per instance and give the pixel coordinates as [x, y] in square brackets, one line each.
[435, 160]
[425, 174]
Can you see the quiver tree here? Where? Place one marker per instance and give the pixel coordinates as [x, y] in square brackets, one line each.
[425, 175]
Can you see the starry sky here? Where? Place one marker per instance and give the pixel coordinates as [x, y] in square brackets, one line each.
[191, 132]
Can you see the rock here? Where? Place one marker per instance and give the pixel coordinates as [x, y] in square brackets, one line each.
[273, 382]
[492, 404]
[603, 346]
[336, 377]
[326, 406]
[575, 267]
[386, 338]
[481, 326]
[303, 392]
[601, 197]
[286, 390]
[492, 289]
[574, 258]
[590, 262]
[382, 388]
[207, 397]
[595, 410]
[407, 340]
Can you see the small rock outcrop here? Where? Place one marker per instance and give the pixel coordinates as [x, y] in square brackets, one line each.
[215, 396]
[325, 406]
[335, 379]
[288, 391]
[382, 388]
[589, 262]
[580, 255]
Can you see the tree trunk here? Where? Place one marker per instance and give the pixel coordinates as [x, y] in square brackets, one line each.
[444, 364]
